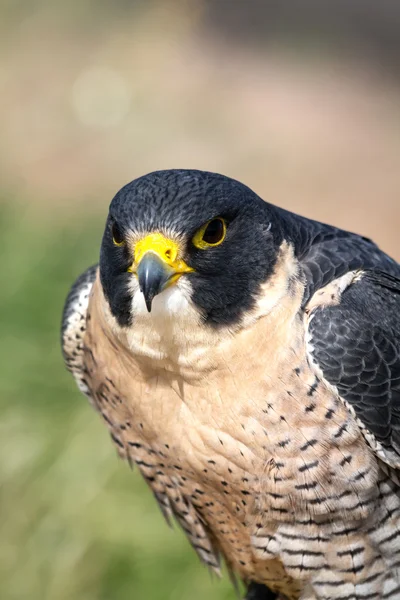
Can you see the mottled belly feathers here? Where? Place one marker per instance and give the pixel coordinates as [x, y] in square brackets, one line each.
[257, 457]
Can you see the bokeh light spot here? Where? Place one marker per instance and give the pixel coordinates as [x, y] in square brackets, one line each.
[100, 97]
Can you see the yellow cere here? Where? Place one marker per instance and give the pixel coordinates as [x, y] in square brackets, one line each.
[165, 248]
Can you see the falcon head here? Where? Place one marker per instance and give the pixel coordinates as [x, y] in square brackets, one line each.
[180, 239]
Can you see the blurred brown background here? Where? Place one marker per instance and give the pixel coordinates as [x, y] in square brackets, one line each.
[300, 101]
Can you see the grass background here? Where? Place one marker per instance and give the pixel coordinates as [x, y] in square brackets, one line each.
[310, 129]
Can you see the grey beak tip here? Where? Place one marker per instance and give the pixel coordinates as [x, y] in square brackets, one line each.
[153, 274]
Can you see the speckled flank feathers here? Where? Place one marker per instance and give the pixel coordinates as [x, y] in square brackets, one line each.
[73, 328]
[270, 436]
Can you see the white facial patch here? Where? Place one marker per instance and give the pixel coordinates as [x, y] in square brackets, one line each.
[172, 302]
[173, 332]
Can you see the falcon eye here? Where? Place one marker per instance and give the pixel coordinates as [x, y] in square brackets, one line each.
[211, 234]
[118, 237]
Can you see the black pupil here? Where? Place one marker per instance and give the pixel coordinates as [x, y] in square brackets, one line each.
[117, 234]
[214, 232]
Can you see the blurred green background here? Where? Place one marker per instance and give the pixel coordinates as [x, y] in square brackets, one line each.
[300, 103]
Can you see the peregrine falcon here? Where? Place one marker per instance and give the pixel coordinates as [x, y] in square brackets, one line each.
[247, 360]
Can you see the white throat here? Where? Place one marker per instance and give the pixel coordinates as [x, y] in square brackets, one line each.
[172, 303]
[172, 335]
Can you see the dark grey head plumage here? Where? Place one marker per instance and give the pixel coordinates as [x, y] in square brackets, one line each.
[226, 278]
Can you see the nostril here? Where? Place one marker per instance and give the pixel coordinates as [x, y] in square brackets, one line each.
[168, 254]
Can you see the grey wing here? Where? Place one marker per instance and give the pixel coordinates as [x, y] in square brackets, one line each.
[73, 327]
[356, 345]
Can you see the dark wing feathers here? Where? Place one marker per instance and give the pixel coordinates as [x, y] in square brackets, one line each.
[357, 343]
[326, 261]
[326, 252]
[357, 346]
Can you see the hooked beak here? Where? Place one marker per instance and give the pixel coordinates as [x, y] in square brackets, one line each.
[154, 276]
[157, 265]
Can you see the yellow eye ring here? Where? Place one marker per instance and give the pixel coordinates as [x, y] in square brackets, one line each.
[118, 237]
[211, 234]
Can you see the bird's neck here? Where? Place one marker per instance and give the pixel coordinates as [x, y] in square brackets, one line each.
[184, 346]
